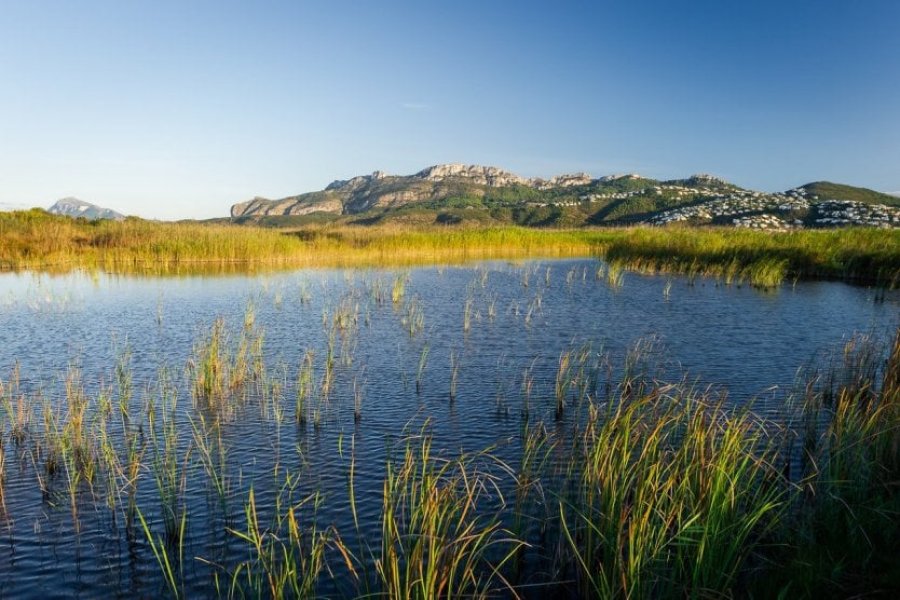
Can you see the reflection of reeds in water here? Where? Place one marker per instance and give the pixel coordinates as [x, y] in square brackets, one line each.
[357, 399]
[467, 314]
[454, 373]
[563, 381]
[420, 370]
[305, 384]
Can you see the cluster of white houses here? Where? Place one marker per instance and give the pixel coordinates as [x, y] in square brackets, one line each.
[758, 210]
[792, 209]
[831, 213]
[765, 221]
[731, 206]
[667, 190]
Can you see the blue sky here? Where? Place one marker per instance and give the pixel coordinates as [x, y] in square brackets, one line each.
[179, 109]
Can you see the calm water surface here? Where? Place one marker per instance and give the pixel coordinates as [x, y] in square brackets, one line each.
[520, 316]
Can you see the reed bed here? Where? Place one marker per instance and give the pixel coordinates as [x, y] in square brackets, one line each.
[759, 258]
[37, 240]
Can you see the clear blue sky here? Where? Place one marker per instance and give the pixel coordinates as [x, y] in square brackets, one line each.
[179, 109]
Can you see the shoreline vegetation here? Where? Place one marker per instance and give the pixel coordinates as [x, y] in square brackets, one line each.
[36, 240]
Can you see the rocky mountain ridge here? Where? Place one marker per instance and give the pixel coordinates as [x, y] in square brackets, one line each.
[454, 192]
[437, 182]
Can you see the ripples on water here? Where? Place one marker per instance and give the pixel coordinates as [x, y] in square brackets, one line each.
[521, 317]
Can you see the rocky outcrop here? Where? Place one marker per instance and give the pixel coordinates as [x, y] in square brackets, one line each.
[379, 190]
[295, 205]
[479, 175]
[355, 183]
[618, 176]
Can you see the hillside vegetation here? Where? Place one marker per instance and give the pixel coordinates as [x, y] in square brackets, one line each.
[827, 190]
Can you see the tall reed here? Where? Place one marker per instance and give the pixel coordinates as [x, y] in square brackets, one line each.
[435, 544]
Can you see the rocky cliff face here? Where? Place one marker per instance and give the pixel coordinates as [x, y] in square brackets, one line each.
[489, 176]
[380, 190]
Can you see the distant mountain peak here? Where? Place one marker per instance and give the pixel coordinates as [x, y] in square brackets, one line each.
[74, 207]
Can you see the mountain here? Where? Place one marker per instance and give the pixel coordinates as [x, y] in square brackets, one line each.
[434, 184]
[454, 193]
[73, 207]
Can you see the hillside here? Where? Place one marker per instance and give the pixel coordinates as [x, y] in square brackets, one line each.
[836, 191]
[453, 193]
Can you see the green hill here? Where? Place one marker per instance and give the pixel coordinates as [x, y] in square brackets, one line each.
[827, 190]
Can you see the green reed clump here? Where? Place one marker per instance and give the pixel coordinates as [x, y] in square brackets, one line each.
[211, 369]
[674, 495]
[168, 468]
[170, 566]
[285, 559]
[18, 410]
[436, 543]
[846, 535]
[615, 274]
[217, 369]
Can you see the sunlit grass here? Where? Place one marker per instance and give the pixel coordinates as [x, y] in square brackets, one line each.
[37, 240]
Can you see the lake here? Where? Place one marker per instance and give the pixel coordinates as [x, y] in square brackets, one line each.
[472, 355]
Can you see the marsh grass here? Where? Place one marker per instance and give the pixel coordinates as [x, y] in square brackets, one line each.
[675, 494]
[435, 542]
[762, 259]
[220, 368]
[414, 320]
[286, 558]
[37, 240]
[168, 467]
[846, 533]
